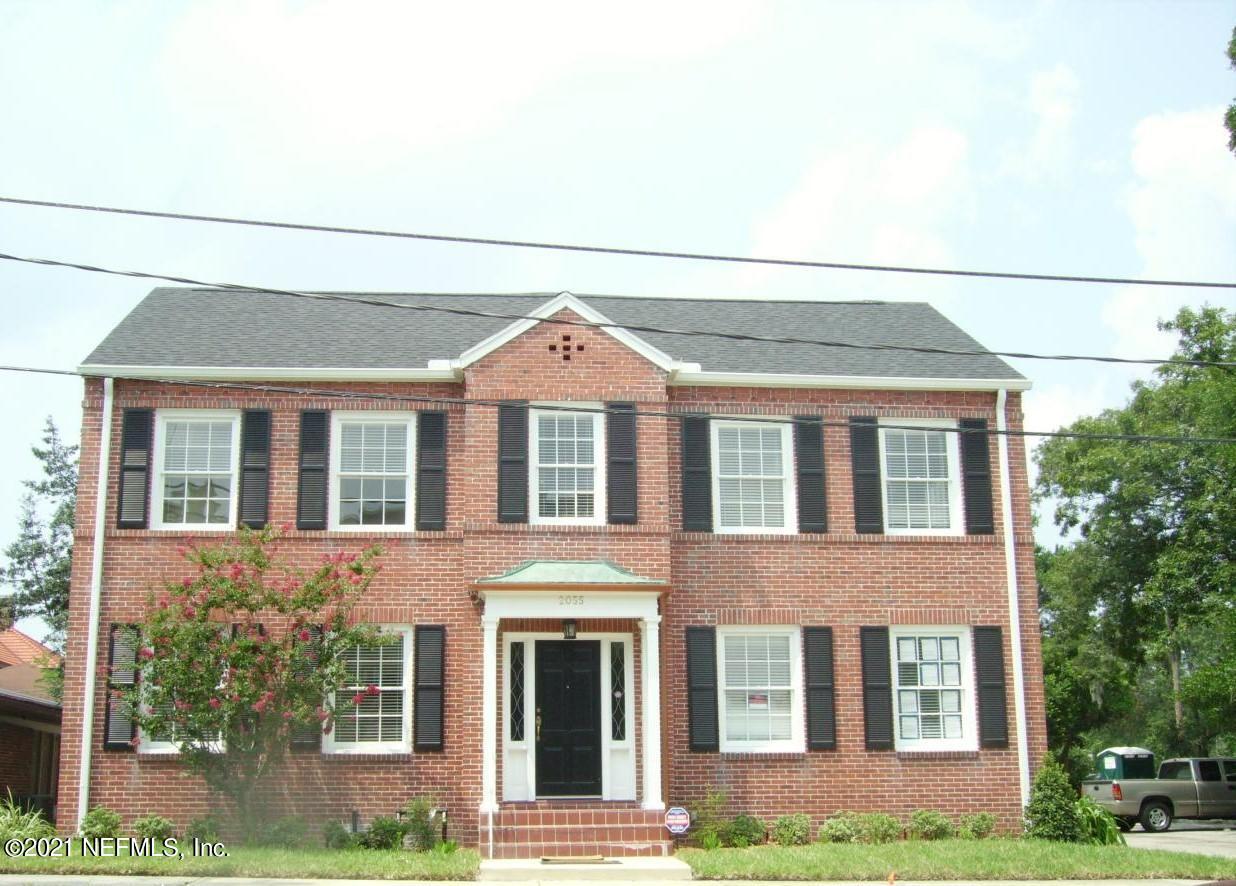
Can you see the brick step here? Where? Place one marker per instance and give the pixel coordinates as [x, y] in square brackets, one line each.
[627, 817]
[634, 849]
[574, 833]
[574, 830]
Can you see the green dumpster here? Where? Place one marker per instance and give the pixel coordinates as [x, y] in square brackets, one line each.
[1114, 763]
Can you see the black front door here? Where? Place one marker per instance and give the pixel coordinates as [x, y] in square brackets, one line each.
[568, 718]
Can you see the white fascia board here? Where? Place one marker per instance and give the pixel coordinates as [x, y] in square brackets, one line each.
[866, 382]
[566, 300]
[439, 372]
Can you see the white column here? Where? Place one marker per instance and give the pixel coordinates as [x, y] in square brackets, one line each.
[489, 715]
[650, 648]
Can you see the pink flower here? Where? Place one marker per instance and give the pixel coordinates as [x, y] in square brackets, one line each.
[322, 714]
[186, 582]
[181, 550]
[215, 704]
[328, 729]
[259, 705]
[235, 697]
[304, 636]
[372, 690]
[286, 527]
[236, 572]
[358, 698]
[145, 652]
[190, 612]
[135, 741]
[287, 715]
[356, 578]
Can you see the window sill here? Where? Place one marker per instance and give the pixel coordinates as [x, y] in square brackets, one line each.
[937, 755]
[369, 757]
[764, 756]
[816, 538]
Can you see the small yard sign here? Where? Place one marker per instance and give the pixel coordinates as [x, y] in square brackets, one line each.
[677, 820]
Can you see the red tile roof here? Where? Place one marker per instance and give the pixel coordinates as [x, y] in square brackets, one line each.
[18, 648]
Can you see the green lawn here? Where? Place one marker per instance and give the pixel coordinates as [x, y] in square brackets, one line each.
[997, 859]
[244, 861]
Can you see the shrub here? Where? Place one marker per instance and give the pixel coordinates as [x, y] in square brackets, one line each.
[1052, 813]
[288, 833]
[205, 829]
[792, 830]
[336, 836]
[841, 828]
[17, 823]
[745, 830]
[976, 826]
[156, 827]
[928, 824]
[878, 827]
[418, 824]
[384, 832]
[1098, 826]
[101, 822]
[708, 819]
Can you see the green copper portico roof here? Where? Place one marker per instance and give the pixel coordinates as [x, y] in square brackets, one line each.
[551, 573]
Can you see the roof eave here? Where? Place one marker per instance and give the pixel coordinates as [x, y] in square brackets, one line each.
[437, 370]
[863, 382]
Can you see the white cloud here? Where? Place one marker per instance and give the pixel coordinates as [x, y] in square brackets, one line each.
[1052, 99]
[865, 205]
[1182, 205]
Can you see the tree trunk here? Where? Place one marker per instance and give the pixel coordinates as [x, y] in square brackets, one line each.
[1173, 666]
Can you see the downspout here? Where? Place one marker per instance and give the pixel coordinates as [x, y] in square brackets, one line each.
[96, 596]
[1010, 567]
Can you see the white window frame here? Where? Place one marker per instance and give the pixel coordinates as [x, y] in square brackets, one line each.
[171, 746]
[797, 742]
[331, 745]
[788, 475]
[338, 418]
[599, 512]
[162, 417]
[956, 515]
[969, 716]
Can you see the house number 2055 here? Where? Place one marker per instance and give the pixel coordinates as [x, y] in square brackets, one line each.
[570, 600]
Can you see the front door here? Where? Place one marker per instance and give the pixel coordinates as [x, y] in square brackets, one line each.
[568, 718]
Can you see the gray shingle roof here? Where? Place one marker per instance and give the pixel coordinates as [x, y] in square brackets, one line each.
[219, 328]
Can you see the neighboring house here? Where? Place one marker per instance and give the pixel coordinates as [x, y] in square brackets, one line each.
[784, 572]
[29, 723]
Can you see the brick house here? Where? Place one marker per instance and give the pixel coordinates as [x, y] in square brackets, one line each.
[29, 723]
[628, 566]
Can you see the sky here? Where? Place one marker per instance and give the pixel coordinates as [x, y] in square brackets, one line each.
[1049, 137]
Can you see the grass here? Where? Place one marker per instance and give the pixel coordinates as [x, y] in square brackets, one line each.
[249, 861]
[997, 859]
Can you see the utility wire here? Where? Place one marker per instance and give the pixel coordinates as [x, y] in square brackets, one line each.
[612, 250]
[593, 410]
[374, 301]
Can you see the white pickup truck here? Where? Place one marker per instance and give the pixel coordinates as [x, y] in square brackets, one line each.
[1194, 787]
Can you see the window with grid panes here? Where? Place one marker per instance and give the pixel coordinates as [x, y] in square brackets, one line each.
[918, 479]
[197, 471]
[374, 473]
[379, 721]
[565, 482]
[758, 676]
[931, 687]
[752, 476]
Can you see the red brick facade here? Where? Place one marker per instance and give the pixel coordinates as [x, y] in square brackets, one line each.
[839, 579]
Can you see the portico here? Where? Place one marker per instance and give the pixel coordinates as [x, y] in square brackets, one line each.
[568, 715]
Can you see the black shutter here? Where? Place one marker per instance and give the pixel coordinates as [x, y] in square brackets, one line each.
[430, 648]
[989, 674]
[308, 736]
[513, 463]
[976, 476]
[877, 689]
[314, 455]
[255, 468]
[809, 463]
[696, 474]
[702, 689]
[821, 711]
[431, 470]
[865, 462]
[132, 508]
[621, 492]
[118, 726]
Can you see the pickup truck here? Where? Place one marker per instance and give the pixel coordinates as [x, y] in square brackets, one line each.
[1194, 787]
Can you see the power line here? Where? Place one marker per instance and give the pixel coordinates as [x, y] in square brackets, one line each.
[374, 301]
[593, 410]
[612, 250]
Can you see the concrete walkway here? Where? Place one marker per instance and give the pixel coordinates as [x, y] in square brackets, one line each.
[1217, 839]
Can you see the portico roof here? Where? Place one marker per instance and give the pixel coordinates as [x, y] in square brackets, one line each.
[574, 574]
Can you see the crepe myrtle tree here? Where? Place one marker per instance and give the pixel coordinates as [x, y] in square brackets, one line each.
[244, 652]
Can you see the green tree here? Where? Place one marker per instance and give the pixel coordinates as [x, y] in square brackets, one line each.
[1155, 568]
[236, 656]
[1230, 118]
[40, 560]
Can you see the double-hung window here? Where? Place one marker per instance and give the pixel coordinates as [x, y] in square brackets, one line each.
[921, 478]
[380, 722]
[761, 705]
[567, 473]
[933, 687]
[372, 459]
[196, 453]
[753, 477]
